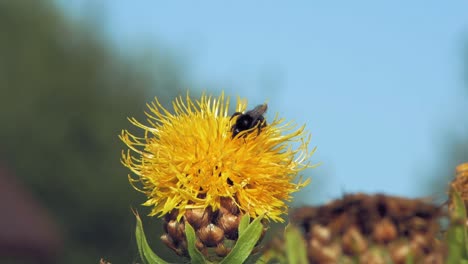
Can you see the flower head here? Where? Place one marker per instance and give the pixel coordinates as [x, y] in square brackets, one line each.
[189, 159]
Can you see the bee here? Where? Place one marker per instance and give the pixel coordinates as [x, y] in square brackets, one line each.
[250, 119]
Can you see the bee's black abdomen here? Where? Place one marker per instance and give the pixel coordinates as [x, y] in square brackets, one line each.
[244, 122]
[248, 120]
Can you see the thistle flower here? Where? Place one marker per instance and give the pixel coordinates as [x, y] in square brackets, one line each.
[192, 168]
[460, 182]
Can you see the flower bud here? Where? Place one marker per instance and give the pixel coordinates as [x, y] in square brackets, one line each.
[211, 235]
[229, 223]
[198, 217]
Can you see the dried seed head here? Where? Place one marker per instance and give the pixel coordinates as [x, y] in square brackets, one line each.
[365, 227]
[419, 243]
[384, 231]
[434, 258]
[321, 233]
[399, 252]
[353, 242]
[374, 256]
[323, 254]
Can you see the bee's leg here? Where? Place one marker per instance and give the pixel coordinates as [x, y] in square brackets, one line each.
[233, 128]
[261, 123]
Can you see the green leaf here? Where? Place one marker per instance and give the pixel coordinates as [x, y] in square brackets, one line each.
[459, 206]
[295, 245]
[409, 258]
[244, 222]
[195, 255]
[147, 255]
[456, 234]
[271, 258]
[246, 242]
[455, 244]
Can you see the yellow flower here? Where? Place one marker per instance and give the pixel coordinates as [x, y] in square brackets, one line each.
[188, 159]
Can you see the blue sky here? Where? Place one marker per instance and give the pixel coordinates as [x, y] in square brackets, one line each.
[378, 84]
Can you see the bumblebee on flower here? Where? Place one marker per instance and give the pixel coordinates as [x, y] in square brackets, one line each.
[203, 165]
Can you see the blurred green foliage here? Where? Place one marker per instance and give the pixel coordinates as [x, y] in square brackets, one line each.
[65, 93]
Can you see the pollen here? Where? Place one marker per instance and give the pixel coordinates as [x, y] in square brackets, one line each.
[188, 159]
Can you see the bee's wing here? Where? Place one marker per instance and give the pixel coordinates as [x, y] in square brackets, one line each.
[258, 111]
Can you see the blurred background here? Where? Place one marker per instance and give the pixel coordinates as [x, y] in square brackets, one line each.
[383, 88]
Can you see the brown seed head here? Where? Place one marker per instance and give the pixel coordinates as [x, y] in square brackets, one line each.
[384, 231]
[200, 246]
[211, 235]
[176, 230]
[353, 242]
[419, 244]
[171, 215]
[167, 240]
[229, 223]
[323, 254]
[374, 256]
[221, 250]
[365, 226]
[216, 231]
[229, 205]
[321, 233]
[102, 261]
[399, 252]
[198, 217]
[434, 258]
